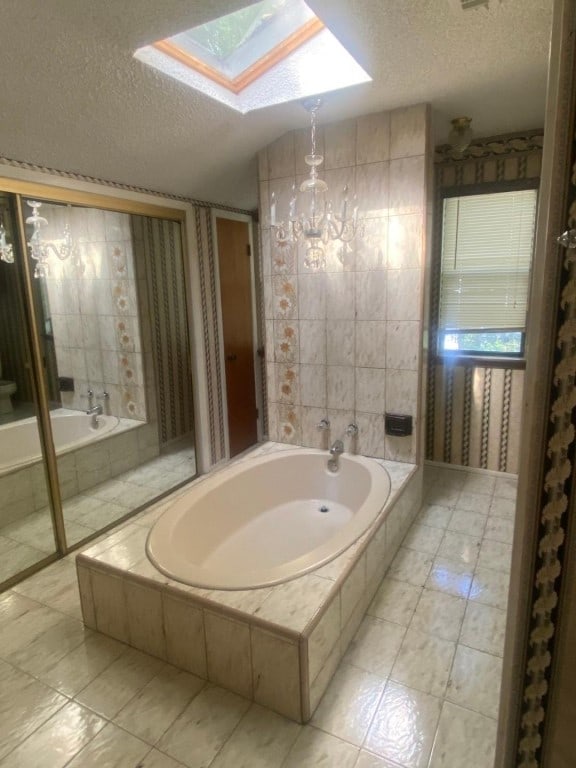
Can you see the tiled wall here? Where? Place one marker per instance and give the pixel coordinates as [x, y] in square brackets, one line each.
[345, 342]
[474, 411]
[94, 309]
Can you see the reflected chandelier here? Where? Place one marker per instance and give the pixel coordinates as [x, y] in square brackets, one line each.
[40, 249]
[312, 220]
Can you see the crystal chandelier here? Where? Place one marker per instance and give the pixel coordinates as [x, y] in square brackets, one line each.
[311, 218]
[6, 250]
[41, 249]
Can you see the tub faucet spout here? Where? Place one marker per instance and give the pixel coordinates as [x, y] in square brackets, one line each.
[95, 411]
[336, 449]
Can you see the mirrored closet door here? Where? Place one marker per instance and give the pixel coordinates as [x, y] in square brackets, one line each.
[108, 292]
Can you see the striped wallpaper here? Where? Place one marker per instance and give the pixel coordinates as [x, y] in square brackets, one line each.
[474, 411]
[164, 323]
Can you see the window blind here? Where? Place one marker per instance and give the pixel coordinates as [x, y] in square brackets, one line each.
[487, 243]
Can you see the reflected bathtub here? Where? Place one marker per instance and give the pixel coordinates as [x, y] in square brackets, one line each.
[20, 440]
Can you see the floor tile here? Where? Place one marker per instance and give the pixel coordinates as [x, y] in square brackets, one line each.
[25, 704]
[375, 646]
[369, 760]
[450, 577]
[58, 740]
[18, 558]
[395, 601]
[404, 725]
[261, 740]
[499, 529]
[434, 515]
[475, 681]
[484, 628]
[82, 665]
[479, 483]
[315, 748]
[506, 487]
[470, 523]
[460, 548]
[443, 496]
[152, 711]
[474, 502]
[156, 759]
[48, 647]
[464, 738]
[111, 747]
[490, 587]
[503, 508]
[439, 614]
[55, 586]
[495, 555]
[13, 605]
[423, 538]
[202, 729]
[349, 704]
[410, 566]
[120, 682]
[424, 662]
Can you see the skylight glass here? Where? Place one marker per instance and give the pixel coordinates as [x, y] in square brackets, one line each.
[267, 53]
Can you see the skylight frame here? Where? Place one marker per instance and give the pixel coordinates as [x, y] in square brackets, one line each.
[236, 85]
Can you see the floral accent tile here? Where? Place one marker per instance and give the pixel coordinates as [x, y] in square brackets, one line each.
[117, 260]
[289, 424]
[283, 260]
[125, 336]
[285, 297]
[286, 343]
[287, 384]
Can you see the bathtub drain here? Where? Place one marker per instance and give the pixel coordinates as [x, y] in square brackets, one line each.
[324, 508]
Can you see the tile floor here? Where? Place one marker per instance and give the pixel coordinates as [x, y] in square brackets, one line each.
[29, 540]
[418, 687]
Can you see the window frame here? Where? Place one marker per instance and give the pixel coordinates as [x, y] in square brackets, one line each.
[493, 359]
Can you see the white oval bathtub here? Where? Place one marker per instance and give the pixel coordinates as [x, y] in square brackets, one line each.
[20, 440]
[267, 520]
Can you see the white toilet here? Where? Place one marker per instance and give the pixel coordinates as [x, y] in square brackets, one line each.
[7, 389]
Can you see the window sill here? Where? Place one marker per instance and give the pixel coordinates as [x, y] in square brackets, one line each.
[481, 361]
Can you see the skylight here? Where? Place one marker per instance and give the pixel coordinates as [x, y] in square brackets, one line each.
[267, 53]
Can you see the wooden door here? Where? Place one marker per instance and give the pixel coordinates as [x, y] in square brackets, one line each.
[236, 301]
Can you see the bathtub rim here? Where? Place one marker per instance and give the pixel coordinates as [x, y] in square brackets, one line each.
[278, 574]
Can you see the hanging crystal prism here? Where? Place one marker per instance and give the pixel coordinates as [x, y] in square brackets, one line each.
[6, 250]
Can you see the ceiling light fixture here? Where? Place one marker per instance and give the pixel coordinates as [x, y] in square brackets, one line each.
[460, 135]
[311, 219]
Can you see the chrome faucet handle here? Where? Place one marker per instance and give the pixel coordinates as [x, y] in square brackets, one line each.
[323, 425]
[352, 430]
[103, 396]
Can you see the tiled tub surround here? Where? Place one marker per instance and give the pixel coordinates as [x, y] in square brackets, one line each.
[23, 491]
[79, 698]
[345, 342]
[278, 646]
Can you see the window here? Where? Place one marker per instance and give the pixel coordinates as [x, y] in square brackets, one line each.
[487, 244]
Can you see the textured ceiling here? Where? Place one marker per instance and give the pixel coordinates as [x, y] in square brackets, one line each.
[72, 97]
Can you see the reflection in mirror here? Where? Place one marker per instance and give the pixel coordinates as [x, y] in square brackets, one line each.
[122, 351]
[114, 338]
[26, 533]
